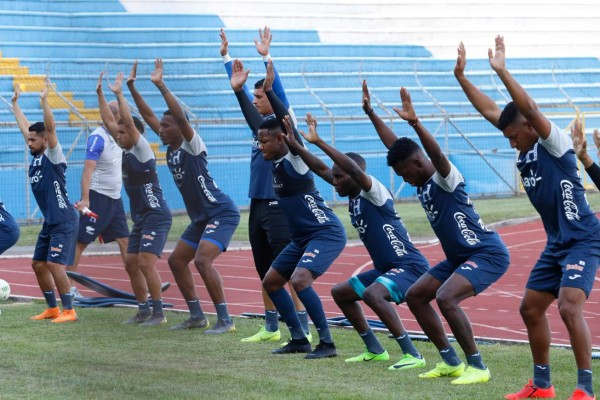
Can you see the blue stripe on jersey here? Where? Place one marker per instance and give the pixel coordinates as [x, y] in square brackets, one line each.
[551, 180]
[49, 186]
[454, 219]
[306, 212]
[382, 231]
[189, 167]
[95, 145]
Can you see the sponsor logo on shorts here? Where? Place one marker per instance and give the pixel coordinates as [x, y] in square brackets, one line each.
[309, 254]
[273, 203]
[148, 237]
[575, 267]
[54, 255]
[89, 230]
[469, 265]
[212, 226]
[56, 249]
[573, 277]
[209, 231]
[306, 260]
[147, 244]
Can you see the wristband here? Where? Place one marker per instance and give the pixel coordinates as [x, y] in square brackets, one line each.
[369, 112]
[414, 123]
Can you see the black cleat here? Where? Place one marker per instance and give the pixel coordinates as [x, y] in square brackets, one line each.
[322, 350]
[294, 346]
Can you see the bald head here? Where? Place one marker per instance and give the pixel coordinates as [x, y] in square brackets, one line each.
[114, 108]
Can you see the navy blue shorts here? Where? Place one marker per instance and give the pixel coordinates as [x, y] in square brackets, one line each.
[219, 230]
[396, 280]
[149, 236]
[573, 266]
[316, 255]
[9, 230]
[481, 269]
[56, 243]
[111, 223]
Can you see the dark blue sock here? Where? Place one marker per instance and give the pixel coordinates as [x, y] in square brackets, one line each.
[67, 301]
[157, 306]
[371, 342]
[303, 316]
[222, 312]
[407, 345]
[541, 376]
[144, 307]
[476, 361]
[584, 381]
[285, 305]
[271, 320]
[314, 308]
[195, 309]
[50, 298]
[449, 356]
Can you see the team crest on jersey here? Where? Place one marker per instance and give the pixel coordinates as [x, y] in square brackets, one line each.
[37, 161]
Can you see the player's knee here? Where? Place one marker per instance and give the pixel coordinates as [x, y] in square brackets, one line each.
[175, 263]
[444, 301]
[529, 311]
[371, 296]
[36, 265]
[202, 264]
[300, 282]
[337, 293]
[569, 311]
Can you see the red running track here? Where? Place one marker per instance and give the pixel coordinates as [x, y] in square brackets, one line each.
[493, 313]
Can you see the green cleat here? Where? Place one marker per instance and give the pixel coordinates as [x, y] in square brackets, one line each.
[408, 361]
[473, 375]
[309, 337]
[443, 369]
[263, 336]
[368, 356]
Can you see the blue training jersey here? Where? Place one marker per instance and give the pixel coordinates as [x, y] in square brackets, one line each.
[141, 183]
[454, 219]
[261, 179]
[551, 180]
[189, 166]
[49, 186]
[373, 215]
[307, 213]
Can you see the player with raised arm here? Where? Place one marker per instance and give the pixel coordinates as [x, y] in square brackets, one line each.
[56, 242]
[476, 257]
[149, 211]
[397, 262]
[267, 226]
[318, 236]
[567, 267]
[580, 148]
[214, 216]
[101, 184]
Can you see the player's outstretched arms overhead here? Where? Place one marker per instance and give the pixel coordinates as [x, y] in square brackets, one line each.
[49, 123]
[238, 82]
[143, 107]
[126, 119]
[580, 147]
[387, 136]
[22, 120]
[525, 104]
[108, 118]
[597, 141]
[432, 148]
[482, 103]
[313, 162]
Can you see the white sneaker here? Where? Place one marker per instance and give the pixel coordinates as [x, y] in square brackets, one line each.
[74, 292]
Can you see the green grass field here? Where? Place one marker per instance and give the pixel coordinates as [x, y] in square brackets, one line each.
[98, 358]
[411, 212]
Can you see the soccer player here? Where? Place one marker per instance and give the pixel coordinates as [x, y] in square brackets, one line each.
[149, 211]
[55, 245]
[475, 256]
[397, 262]
[580, 148]
[9, 230]
[101, 192]
[214, 216]
[318, 236]
[567, 267]
[267, 226]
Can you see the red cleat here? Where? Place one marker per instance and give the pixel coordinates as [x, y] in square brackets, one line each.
[531, 392]
[579, 394]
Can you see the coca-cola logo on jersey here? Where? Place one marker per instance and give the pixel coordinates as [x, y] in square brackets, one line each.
[467, 233]
[571, 209]
[396, 243]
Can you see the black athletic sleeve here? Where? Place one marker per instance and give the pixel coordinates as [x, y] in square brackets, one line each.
[594, 172]
[280, 112]
[251, 114]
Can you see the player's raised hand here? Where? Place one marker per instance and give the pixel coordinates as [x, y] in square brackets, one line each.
[157, 75]
[288, 133]
[312, 136]
[269, 78]
[99, 84]
[498, 60]
[238, 75]
[132, 74]
[579, 141]
[597, 140]
[408, 112]
[16, 94]
[45, 91]
[117, 86]
[224, 43]
[264, 44]
[461, 60]
[366, 98]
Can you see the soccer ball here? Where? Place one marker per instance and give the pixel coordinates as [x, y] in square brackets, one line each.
[4, 290]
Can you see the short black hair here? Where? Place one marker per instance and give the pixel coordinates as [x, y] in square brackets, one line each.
[138, 124]
[37, 127]
[401, 150]
[358, 159]
[259, 83]
[508, 116]
[168, 112]
[271, 125]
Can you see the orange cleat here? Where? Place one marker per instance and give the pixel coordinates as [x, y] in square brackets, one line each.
[531, 392]
[579, 394]
[66, 316]
[49, 313]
